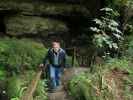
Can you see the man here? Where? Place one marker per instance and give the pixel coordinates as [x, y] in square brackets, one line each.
[56, 57]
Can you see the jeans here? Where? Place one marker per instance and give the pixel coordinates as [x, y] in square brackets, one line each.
[55, 74]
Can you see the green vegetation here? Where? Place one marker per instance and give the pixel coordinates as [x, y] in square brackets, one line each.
[18, 54]
[106, 30]
[119, 3]
[104, 35]
[16, 85]
[111, 81]
[40, 93]
[19, 59]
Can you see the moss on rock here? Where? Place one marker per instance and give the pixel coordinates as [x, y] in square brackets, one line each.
[39, 8]
[25, 25]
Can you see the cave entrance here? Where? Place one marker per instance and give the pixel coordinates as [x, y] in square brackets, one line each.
[2, 25]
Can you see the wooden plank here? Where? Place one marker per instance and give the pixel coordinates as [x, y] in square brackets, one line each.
[32, 87]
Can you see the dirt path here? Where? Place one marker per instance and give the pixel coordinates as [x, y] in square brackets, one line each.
[61, 94]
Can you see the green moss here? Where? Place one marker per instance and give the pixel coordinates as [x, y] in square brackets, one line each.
[28, 7]
[19, 25]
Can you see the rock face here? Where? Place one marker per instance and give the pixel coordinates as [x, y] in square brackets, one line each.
[25, 25]
[42, 8]
[41, 17]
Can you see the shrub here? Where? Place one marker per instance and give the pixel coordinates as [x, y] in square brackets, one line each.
[110, 81]
[106, 32]
[17, 85]
[121, 64]
[19, 55]
[90, 87]
[16, 54]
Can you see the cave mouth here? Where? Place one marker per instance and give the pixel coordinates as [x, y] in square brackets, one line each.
[2, 25]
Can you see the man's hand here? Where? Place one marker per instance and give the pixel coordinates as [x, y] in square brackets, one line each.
[41, 66]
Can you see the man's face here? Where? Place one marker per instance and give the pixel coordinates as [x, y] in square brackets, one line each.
[56, 46]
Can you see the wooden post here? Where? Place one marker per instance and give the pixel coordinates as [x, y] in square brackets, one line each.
[73, 57]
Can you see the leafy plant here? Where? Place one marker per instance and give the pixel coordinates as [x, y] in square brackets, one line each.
[41, 91]
[16, 98]
[17, 85]
[106, 32]
[14, 86]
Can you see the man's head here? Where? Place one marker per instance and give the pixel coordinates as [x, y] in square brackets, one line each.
[56, 46]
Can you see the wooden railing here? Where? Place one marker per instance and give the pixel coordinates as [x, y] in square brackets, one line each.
[82, 60]
[73, 50]
[28, 94]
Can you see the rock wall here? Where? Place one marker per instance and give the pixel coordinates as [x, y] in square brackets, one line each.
[42, 17]
[25, 25]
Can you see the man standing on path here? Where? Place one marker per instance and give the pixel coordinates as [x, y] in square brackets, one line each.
[56, 57]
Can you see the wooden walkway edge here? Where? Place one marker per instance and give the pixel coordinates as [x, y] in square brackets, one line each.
[28, 95]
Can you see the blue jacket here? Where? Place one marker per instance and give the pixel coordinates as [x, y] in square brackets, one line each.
[50, 57]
